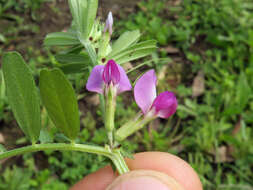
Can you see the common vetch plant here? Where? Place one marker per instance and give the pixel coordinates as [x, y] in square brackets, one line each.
[88, 47]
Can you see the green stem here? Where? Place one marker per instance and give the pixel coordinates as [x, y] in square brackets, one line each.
[110, 104]
[102, 105]
[114, 155]
[90, 50]
[119, 162]
[131, 127]
[57, 147]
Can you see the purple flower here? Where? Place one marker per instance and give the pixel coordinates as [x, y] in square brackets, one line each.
[164, 105]
[109, 23]
[102, 76]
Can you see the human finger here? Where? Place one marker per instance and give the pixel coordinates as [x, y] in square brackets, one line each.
[166, 163]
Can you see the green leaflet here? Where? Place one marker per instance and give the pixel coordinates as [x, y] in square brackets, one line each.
[90, 50]
[73, 50]
[78, 9]
[61, 39]
[124, 41]
[90, 16]
[73, 58]
[22, 94]
[135, 55]
[73, 63]
[161, 61]
[60, 100]
[135, 51]
[84, 13]
[73, 68]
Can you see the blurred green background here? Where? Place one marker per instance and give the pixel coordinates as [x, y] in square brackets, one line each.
[210, 46]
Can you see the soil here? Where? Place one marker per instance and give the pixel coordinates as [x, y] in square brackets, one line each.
[49, 18]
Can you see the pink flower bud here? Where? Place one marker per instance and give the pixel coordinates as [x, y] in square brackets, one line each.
[109, 23]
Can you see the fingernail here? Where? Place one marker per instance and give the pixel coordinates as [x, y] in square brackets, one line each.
[144, 180]
[147, 183]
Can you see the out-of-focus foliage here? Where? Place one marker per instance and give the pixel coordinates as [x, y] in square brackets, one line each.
[216, 125]
[19, 6]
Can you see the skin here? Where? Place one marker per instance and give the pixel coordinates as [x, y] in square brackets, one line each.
[165, 163]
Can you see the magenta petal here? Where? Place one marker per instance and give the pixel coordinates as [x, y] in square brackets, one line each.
[95, 80]
[145, 90]
[124, 83]
[111, 73]
[165, 104]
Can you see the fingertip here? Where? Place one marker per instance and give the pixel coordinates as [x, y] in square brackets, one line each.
[97, 181]
[144, 179]
[169, 164]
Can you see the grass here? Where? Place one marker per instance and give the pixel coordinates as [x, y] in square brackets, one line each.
[210, 44]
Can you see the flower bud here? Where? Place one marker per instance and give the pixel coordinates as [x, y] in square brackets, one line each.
[109, 23]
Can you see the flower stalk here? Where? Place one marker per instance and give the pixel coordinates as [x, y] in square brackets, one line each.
[110, 104]
[131, 127]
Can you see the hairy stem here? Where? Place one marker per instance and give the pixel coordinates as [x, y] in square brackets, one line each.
[56, 147]
[119, 162]
[114, 155]
[131, 127]
[102, 105]
[90, 50]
